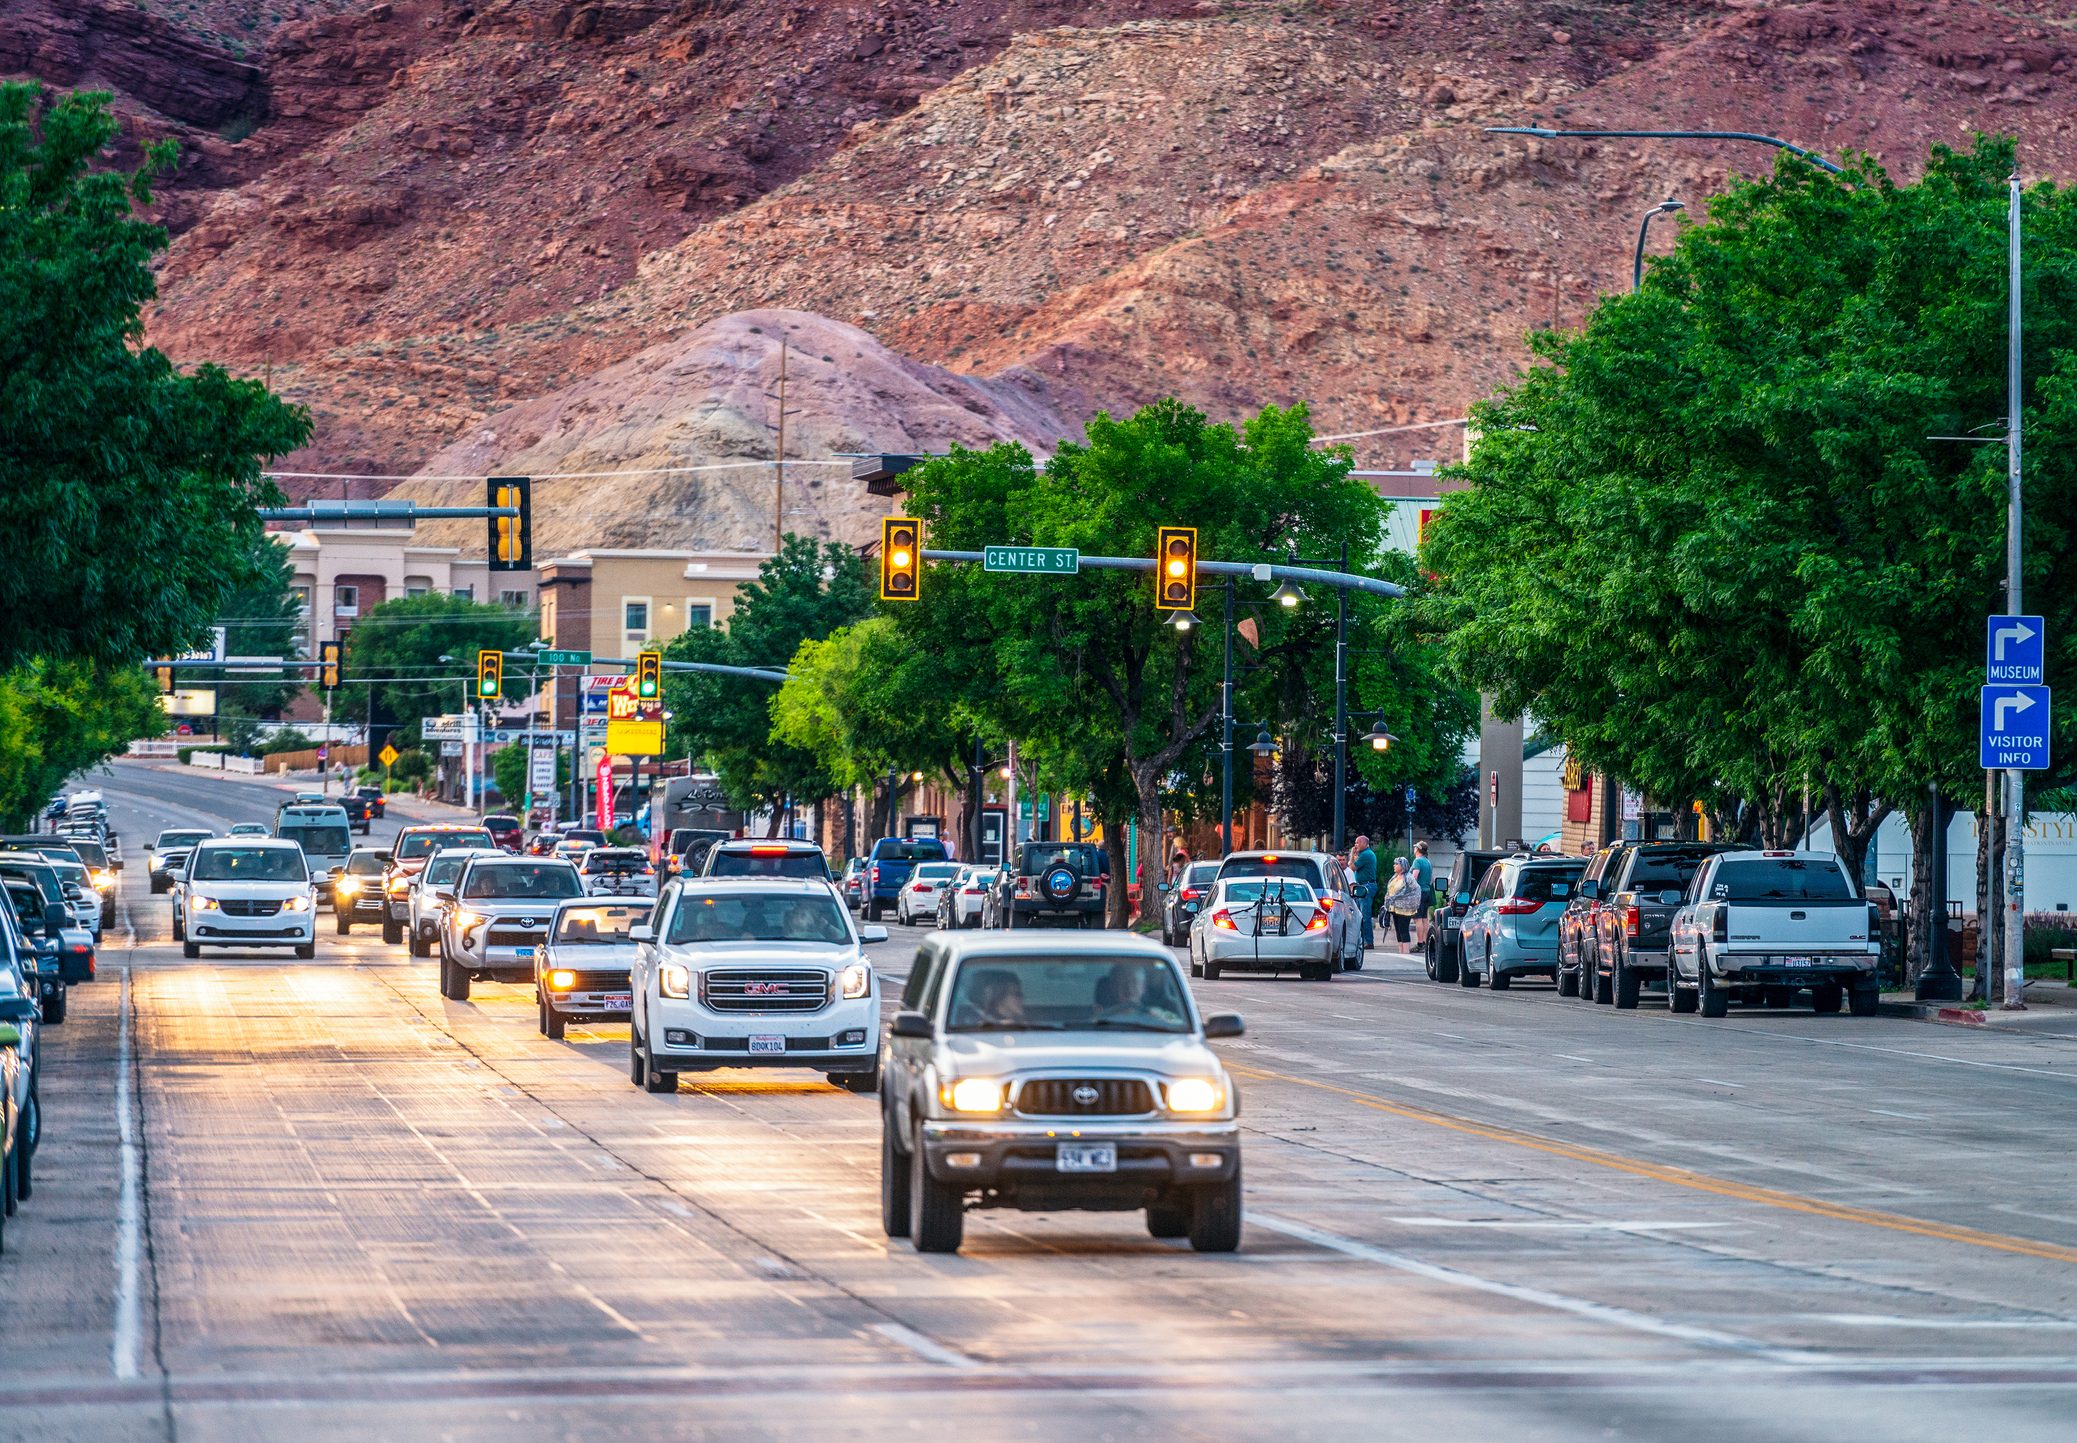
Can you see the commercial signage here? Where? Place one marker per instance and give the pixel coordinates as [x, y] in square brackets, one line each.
[634, 727]
[540, 776]
[605, 779]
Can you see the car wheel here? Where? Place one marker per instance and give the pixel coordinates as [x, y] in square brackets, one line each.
[1712, 998]
[654, 1080]
[1827, 998]
[1627, 983]
[54, 1010]
[1445, 963]
[1865, 998]
[1679, 1000]
[1465, 976]
[25, 1152]
[1428, 958]
[894, 1183]
[1211, 970]
[419, 946]
[1603, 984]
[1215, 1215]
[190, 949]
[1169, 1217]
[7, 1195]
[393, 933]
[859, 1082]
[635, 1069]
[552, 1021]
[1499, 981]
[1568, 980]
[1316, 972]
[342, 923]
[454, 979]
[180, 931]
[937, 1210]
[305, 951]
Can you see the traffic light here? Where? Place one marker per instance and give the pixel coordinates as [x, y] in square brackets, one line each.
[901, 558]
[490, 675]
[166, 679]
[648, 675]
[328, 665]
[512, 537]
[1175, 560]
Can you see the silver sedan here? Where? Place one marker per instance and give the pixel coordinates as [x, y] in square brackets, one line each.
[1264, 924]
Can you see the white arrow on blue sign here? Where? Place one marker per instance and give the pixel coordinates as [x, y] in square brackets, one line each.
[2014, 651]
[2014, 728]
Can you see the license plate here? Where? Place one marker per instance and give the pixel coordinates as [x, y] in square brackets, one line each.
[617, 1001]
[1794, 961]
[1086, 1157]
[767, 1044]
[523, 953]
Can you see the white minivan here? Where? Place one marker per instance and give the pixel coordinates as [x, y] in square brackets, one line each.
[248, 892]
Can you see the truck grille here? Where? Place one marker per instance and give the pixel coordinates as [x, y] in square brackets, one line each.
[758, 991]
[1071, 1097]
[514, 935]
[742, 1044]
[249, 907]
[598, 981]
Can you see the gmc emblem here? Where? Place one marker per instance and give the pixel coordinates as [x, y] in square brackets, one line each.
[765, 989]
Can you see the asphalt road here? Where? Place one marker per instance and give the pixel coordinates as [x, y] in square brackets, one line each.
[315, 1201]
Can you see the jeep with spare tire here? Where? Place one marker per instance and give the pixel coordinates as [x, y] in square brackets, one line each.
[1057, 884]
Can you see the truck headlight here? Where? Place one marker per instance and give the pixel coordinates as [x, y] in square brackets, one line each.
[104, 880]
[347, 885]
[561, 980]
[296, 904]
[972, 1094]
[674, 979]
[855, 980]
[1195, 1094]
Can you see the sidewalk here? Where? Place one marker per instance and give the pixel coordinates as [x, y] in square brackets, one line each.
[2051, 1008]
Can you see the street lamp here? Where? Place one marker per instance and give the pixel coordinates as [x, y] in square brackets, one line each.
[1264, 744]
[1183, 620]
[1287, 595]
[1380, 740]
[1665, 207]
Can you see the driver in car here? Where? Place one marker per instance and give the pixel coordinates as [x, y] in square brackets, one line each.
[1121, 996]
[997, 1000]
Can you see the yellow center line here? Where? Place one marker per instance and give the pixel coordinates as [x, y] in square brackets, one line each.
[1682, 1177]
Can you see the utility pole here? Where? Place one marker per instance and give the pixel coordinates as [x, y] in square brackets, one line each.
[1226, 734]
[2015, 779]
[1008, 880]
[779, 469]
[1341, 707]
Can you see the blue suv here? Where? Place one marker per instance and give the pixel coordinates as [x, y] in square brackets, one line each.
[888, 866]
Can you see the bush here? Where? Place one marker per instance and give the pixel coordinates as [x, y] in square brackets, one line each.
[409, 767]
[2044, 936]
[288, 739]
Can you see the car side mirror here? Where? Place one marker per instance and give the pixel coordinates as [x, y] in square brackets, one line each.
[1223, 1024]
[1590, 890]
[1671, 898]
[641, 932]
[872, 934]
[445, 894]
[910, 1024]
[72, 892]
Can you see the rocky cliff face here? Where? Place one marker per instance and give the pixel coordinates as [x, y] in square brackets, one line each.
[446, 208]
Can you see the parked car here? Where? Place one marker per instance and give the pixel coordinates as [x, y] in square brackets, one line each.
[248, 892]
[424, 909]
[49, 916]
[102, 867]
[1511, 928]
[888, 865]
[1181, 902]
[1049, 1073]
[743, 857]
[21, 1013]
[918, 897]
[754, 972]
[357, 892]
[685, 850]
[325, 835]
[78, 886]
[853, 883]
[1445, 952]
[14, 1131]
[505, 831]
[173, 839]
[408, 855]
[496, 917]
[1756, 923]
[1058, 883]
[618, 872]
[43, 956]
[1578, 932]
[582, 970]
[1264, 924]
[960, 901]
[1632, 918]
[1332, 884]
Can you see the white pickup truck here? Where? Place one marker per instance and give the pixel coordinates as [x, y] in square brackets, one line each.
[1761, 926]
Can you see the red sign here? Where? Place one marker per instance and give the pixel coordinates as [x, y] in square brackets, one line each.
[606, 793]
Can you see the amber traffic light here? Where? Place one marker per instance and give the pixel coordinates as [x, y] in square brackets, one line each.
[328, 665]
[648, 675]
[490, 675]
[166, 679]
[1175, 568]
[512, 537]
[901, 558]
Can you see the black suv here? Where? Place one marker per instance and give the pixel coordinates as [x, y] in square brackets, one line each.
[1062, 882]
[1637, 895]
[1446, 922]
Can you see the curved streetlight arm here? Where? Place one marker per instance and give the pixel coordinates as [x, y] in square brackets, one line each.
[1544, 133]
[1664, 207]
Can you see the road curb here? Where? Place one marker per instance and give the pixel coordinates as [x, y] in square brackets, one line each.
[2052, 1018]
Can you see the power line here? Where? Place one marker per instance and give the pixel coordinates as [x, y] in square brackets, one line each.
[1393, 430]
[542, 476]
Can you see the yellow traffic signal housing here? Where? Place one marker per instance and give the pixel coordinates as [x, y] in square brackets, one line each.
[328, 665]
[648, 675]
[490, 675]
[1175, 568]
[901, 558]
[512, 537]
[166, 679]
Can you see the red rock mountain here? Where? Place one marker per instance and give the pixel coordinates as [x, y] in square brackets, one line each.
[414, 215]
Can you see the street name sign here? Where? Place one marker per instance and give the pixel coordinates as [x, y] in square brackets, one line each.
[2014, 729]
[2015, 651]
[566, 658]
[1047, 560]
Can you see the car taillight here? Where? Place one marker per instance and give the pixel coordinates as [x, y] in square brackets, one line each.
[1319, 921]
[1223, 920]
[1722, 930]
[1517, 906]
[1629, 921]
[976, 891]
[874, 872]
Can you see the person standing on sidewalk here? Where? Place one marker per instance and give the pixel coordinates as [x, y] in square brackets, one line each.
[1363, 862]
[1424, 873]
[1402, 901]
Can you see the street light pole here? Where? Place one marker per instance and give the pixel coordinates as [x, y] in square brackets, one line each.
[1341, 705]
[1543, 133]
[1664, 207]
[2015, 780]
[1226, 733]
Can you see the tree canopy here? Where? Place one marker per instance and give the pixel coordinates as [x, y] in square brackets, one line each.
[396, 649]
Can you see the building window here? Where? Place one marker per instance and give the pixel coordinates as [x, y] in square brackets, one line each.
[416, 590]
[698, 613]
[465, 593]
[635, 617]
[517, 600]
[346, 600]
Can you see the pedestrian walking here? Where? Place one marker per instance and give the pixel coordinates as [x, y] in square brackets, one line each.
[1364, 865]
[1424, 873]
[1402, 901]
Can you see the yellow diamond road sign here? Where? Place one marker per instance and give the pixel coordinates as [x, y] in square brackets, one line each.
[389, 755]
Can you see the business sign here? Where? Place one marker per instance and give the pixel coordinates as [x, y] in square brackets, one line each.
[189, 701]
[441, 728]
[605, 779]
[540, 775]
[1046, 560]
[213, 652]
[2014, 728]
[2015, 651]
[634, 727]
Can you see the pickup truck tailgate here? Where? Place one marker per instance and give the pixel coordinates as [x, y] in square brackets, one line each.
[1797, 926]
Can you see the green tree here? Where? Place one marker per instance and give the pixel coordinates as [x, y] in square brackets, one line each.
[397, 648]
[508, 767]
[58, 718]
[130, 485]
[806, 592]
[260, 618]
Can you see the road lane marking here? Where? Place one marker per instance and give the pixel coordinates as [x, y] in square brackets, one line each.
[1719, 1082]
[1878, 1320]
[123, 1349]
[929, 1349]
[1553, 1224]
[1683, 1177]
[1570, 1057]
[1537, 1297]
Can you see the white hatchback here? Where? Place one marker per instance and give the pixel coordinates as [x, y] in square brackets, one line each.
[248, 892]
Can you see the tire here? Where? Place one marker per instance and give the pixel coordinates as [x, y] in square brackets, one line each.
[1428, 960]
[8, 1195]
[1627, 984]
[1712, 998]
[1827, 998]
[635, 1069]
[1501, 981]
[1604, 985]
[157, 886]
[937, 1211]
[107, 916]
[418, 946]
[454, 980]
[1465, 976]
[1864, 999]
[553, 1022]
[894, 1183]
[1215, 1215]
[1168, 1218]
[1679, 1000]
[25, 1152]
[1446, 967]
[190, 949]
[180, 931]
[342, 923]
[1210, 971]
[1568, 982]
[1312, 972]
[1197, 969]
[392, 932]
[54, 1012]
[306, 951]
[864, 1083]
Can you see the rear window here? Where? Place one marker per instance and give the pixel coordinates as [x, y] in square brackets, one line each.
[413, 845]
[937, 871]
[1303, 868]
[1079, 855]
[1200, 873]
[1546, 884]
[179, 839]
[726, 862]
[524, 879]
[922, 849]
[615, 861]
[1660, 871]
[1767, 879]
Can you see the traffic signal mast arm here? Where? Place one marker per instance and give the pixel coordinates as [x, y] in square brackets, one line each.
[1260, 571]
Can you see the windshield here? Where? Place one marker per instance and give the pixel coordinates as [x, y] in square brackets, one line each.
[918, 851]
[366, 864]
[247, 864]
[413, 845]
[1288, 890]
[40, 876]
[90, 853]
[586, 925]
[179, 839]
[525, 879]
[328, 841]
[760, 917]
[1060, 994]
[786, 863]
[1764, 879]
[1302, 868]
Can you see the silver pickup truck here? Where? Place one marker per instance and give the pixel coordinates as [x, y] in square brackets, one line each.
[1761, 926]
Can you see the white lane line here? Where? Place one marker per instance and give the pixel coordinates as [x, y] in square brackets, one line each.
[123, 1351]
[1907, 1116]
[929, 1349]
[1570, 1057]
[1537, 1297]
[1877, 1320]
[1719, 1082]
[1553, 1224]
